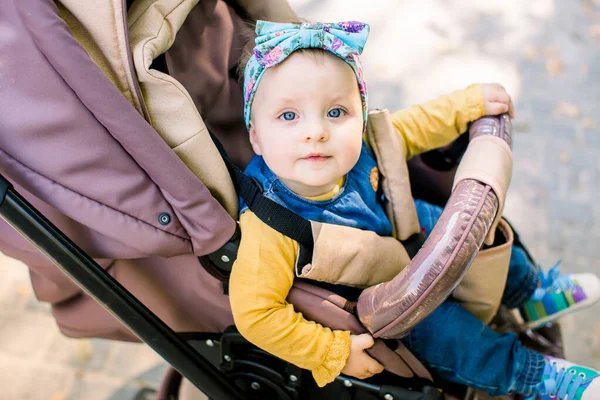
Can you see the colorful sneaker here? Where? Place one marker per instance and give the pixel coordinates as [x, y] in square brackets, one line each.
[559, 295]
[563, 380]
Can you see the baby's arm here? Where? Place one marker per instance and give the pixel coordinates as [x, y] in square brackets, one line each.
[260, 282]
[438, 122]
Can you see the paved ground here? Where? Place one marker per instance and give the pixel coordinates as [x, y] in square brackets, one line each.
[37, 362]
[545, 52]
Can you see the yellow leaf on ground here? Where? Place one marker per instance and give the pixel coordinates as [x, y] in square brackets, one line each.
[58, 396]
[554, 66]
[23, 289]
[589, 123]
[84, 350]
[551, 51]
[566, 109]
[444, 46]
[532, 53]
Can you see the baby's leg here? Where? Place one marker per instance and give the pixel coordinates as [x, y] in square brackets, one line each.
[523, 279]
[461, 349]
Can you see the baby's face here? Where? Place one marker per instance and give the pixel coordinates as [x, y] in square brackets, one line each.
[307, 122]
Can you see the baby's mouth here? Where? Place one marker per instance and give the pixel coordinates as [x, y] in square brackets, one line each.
[316, 157]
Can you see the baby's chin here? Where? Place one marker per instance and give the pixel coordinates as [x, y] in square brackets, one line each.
[318, 180]
[322, 185]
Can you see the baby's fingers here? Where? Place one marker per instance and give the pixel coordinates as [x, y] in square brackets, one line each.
[497, 108]
[499, 96]
[376, 368]
[363, 341]
[365, 375]
[372, 365]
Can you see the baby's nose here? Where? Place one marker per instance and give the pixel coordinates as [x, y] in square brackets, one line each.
[317, 133]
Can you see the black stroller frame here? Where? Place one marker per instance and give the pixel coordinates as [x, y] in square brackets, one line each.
[211, 365]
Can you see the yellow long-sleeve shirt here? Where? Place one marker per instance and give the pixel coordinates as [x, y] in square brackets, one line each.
[263, 273]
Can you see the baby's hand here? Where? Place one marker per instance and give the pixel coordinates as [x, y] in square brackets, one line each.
[497, 100]
[359, 364]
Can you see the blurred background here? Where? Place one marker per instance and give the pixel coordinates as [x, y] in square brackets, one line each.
[546, 53]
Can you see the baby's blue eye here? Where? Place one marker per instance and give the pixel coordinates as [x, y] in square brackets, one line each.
[335, 113]
[288, 116]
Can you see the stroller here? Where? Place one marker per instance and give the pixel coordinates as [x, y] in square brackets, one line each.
[104, 100]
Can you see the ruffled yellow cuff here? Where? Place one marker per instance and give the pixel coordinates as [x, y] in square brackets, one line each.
[474, 101]
[335, 359]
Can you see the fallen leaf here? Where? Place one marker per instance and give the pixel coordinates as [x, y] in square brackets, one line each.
[566, 109]
[565, 157]
[551, 51]
[554, 66]
[84, 351]
[589, 123]
[532, 53]
[23, 289]
[445, 46]
[595, 31]
[60, 395]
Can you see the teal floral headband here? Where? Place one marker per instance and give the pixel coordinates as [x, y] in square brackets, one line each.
[276, 41]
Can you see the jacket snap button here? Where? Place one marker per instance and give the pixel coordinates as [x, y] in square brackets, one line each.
[164, 218]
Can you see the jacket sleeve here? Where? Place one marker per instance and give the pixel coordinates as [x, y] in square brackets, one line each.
[438, 122]
[261, 279]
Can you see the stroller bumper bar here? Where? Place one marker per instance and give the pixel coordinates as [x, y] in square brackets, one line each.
[23, 217]
[391, 309]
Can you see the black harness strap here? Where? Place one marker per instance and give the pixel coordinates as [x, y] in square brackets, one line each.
[271, 213]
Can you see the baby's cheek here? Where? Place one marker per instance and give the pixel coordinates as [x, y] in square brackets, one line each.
[352, 150]
[279, 161]
[278, 143]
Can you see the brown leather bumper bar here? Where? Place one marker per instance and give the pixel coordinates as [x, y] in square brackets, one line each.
[391, 309]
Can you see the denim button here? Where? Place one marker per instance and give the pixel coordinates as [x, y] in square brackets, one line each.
[164, 218]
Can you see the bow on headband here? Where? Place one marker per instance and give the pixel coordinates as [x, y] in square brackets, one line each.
[276, 41]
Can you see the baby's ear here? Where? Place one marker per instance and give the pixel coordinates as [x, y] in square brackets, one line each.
[254, 140]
